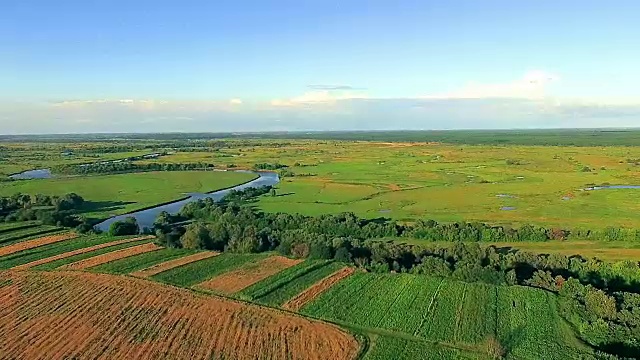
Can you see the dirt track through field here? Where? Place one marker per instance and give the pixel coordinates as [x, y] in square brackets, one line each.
[234, 281]
[108, 257]
[316, 289]
[30, 244]
[79, 315]
[168, 265]
[77, 252]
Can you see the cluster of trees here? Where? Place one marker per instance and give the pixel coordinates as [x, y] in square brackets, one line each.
[127, 167]
[268, 166]
[52, 210]
[129, 226]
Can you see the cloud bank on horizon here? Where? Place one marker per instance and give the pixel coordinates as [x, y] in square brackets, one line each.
[526, 102]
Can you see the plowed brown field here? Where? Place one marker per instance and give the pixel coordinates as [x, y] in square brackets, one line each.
[30, 244]
[77, 252]
[237, 280]
[78, 315]
[108, 257]
[168, 265]
[316, 289]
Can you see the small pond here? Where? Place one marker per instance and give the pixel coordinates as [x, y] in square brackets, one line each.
[32, 174]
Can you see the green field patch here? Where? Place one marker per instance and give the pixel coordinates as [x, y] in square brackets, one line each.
[390, 348]
[278, 289]
[42, 252]
[117, 194]
[141, 261]
[199, 271]
[71, 259]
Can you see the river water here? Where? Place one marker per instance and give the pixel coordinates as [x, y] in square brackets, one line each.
[146, 217]
[32, 174]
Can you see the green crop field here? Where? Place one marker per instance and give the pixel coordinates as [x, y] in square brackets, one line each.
[281, 287]
[199, 271]
[140, 261]
[45, 251]
[116, 194]
[388, 347]
[450, 312]
[71, 259]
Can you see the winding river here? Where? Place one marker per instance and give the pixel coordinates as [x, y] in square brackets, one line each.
[146, 217]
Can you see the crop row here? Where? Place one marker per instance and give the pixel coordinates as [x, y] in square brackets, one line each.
[265, 287]
[141, 261]
[71, 259]
[199, 271]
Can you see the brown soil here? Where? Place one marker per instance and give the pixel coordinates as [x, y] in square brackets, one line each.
[77, 252]
[234, 281]
[168, 265]
[30, 244]
[108, 257]
[78, 315]
[316, 289]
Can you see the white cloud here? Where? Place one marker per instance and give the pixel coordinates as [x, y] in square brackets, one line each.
[319, 97]
[531, 86]
[235, 101]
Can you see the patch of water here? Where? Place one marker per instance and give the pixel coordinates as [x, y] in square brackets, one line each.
[506, 196]
[146, 217]
[508, 208]
[32, 174]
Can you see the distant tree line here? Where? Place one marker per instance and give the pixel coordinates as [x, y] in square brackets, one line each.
[52, 210]
[127, 167]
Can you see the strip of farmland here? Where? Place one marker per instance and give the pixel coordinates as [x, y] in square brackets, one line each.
[115, 255]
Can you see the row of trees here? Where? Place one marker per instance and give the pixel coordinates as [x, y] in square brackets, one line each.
[127, 167]
[52, 210]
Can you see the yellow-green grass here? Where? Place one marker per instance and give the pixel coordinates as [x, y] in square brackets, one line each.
[449, 182]
[117, 194]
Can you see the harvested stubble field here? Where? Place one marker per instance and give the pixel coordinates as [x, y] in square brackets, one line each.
[57, 315]
[234, 281]
[30, 244]
[111, 256]
[316, 289]
[77, 252]
[168, 265]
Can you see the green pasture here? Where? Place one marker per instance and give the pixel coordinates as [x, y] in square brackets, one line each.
[116, 194]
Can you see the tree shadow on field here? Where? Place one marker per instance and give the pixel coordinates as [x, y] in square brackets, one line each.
[285, 194]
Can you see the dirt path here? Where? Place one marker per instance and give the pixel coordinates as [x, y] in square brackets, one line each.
[168, 265]
[30, 244]
[77, 252]
[108, 257]
[316, 289]
[234, 281]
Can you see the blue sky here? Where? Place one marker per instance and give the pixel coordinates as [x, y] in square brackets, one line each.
[85, 66]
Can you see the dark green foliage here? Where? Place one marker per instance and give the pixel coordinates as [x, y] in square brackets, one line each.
[127, 227]
[126, 166]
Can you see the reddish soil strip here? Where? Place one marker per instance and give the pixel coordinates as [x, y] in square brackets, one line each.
[234, 281]
[168, 265]
[78, 315]
[77, 252]
[30, 244]
[316, 289]
[108, 257]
